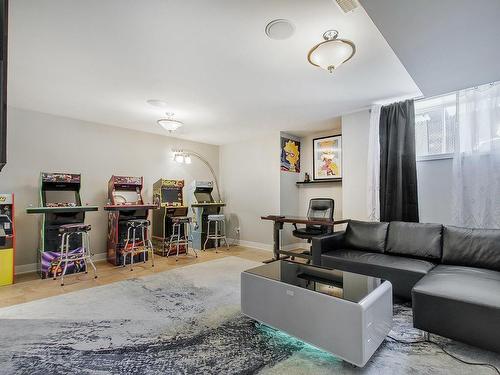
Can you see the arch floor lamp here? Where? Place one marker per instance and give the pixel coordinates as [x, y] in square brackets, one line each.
[184, 156]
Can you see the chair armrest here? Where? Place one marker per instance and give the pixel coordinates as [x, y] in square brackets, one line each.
[325, 243]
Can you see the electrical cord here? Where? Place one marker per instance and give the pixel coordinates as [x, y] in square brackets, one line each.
[489, 365]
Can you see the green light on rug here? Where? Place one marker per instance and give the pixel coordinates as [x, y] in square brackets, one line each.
[281, 338]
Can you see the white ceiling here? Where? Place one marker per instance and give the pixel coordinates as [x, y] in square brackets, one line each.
[100, 60]
[446, 45]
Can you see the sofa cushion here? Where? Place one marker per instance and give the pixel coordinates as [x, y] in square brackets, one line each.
[461, 303]
[471, 247]
[367, 236]
[414, 239]
[403, 273]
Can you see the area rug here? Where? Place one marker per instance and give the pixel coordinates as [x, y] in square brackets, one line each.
[188, 321]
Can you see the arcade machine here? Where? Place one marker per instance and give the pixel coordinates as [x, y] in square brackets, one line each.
[202, 206]
[124, 203]
[60, 204]
[7, 239]
[168, 194]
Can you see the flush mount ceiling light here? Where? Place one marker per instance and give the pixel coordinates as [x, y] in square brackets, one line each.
[169, 123]
[157, 103]
[332, 52]
[280, 29]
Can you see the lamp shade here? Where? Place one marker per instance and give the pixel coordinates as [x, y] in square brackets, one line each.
[169, 124]
[331, 53]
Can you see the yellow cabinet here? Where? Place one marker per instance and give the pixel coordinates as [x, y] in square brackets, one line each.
[6, 266]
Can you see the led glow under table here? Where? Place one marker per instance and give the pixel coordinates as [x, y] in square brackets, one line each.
[346, 314]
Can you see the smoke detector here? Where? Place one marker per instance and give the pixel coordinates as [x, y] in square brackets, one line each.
[280, 29]
[347, 5]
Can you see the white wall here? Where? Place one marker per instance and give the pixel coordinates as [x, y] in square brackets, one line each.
[355, 132]
[434, 178]
[326, 190]
[250, 180]
[41, 142]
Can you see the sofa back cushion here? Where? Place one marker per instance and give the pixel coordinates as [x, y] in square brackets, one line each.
[415, 240]
[367, 236]
[471, 247]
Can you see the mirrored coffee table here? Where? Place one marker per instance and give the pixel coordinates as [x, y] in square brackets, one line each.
[346, 314]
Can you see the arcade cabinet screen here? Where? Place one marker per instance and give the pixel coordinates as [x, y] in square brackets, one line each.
[127, 197]
[203, 197]
[171, 195]
[54, 198]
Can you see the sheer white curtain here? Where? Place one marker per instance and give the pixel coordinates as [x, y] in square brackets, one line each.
[476, 164]
[373, 178]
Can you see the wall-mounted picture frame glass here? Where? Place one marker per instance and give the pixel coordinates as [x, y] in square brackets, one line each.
[327, 158]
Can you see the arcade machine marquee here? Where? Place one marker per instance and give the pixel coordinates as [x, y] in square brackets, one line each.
[60, 204]
[124, 203]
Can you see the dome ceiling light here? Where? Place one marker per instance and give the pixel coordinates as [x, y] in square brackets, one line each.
[332, 52]
[169, 123]
[157, 103]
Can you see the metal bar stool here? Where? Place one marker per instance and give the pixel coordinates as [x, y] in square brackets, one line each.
[219, 233]
[81, 253]
[135, 244]
[177, 240]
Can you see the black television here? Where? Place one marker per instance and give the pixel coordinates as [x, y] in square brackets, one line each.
[4, 9]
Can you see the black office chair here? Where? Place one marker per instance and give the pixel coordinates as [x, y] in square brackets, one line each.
[318, 208]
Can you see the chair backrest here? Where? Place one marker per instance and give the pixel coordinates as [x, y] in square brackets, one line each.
[321, 208]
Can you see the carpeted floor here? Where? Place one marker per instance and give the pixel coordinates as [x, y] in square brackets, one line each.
[188, 321]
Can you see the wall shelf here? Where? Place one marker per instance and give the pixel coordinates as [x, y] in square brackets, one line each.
[312, 182]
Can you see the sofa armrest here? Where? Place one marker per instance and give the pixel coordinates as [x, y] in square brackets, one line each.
[325, 243]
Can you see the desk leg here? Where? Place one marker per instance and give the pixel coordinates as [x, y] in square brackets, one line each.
[278, 226]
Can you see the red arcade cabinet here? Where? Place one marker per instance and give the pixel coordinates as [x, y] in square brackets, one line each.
[125, 203]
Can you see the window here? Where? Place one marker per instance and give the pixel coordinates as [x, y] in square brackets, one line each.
[435, 127]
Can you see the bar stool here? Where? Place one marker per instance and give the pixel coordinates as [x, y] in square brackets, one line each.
[81, 253]
[140, 244]
[219, 222]
[178, 240]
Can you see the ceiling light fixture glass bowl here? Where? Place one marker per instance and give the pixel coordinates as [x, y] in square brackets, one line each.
[169, 123]
[332, 52]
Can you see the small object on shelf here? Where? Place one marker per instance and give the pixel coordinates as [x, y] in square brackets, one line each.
[307, 178]
[333, 180]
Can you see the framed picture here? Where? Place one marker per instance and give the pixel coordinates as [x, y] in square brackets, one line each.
[290, 155]
[327, 158]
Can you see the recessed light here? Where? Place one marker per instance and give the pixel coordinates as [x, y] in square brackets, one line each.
[280, 29]
[157, 103]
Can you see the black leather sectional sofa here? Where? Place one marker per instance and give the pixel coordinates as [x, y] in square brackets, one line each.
[451, 274]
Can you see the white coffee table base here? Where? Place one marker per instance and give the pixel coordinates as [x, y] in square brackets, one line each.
[349, 330]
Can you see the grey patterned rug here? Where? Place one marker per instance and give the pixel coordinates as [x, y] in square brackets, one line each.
[188, 321]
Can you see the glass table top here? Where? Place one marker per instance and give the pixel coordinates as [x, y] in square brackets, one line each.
[335, 283]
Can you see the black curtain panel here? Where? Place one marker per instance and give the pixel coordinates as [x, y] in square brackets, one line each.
[398, 169]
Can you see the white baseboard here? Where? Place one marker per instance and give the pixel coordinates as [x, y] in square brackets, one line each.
[32, 267]
[255, 245]
[264, 246]
[297, 245]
